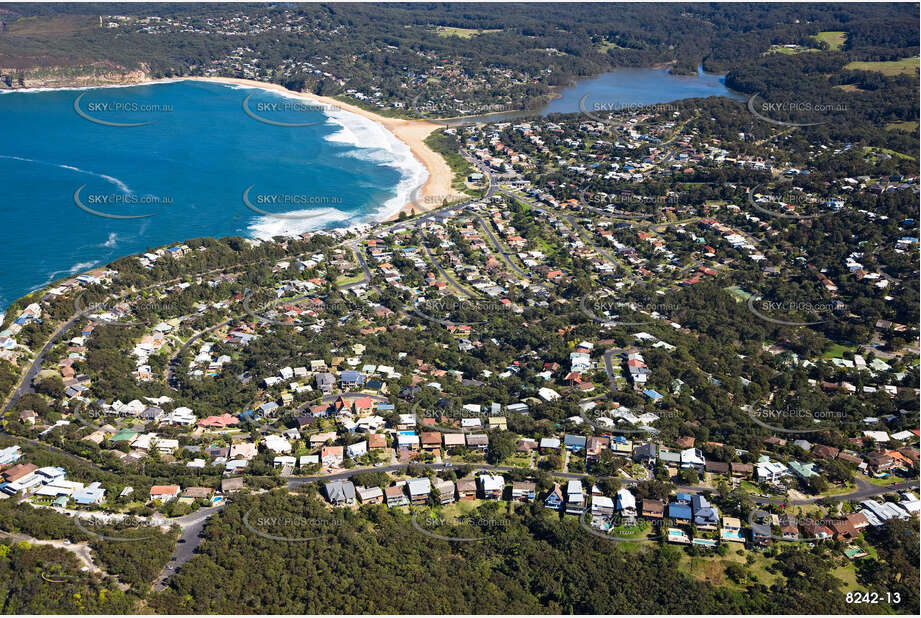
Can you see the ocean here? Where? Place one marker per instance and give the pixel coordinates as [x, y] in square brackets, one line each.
[94, 174]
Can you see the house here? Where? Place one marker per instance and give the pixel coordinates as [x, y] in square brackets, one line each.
[816, 530]
[693, 458]
[284, 461]
[377, 441]
[653, 509]
[770, 471]
[717, 467]
[419, 490]
[331, 456]
[523, 491]
[880, 462]
[228, 486]
[407, 441]
[492, 486]
[394, 496]
[761, 534]
[91, 494]
[19, 472]
[740, 470]
[645, 453]
[575, 498]
[843, 530]
[340, 492]
[573, 442]
[350, 379]
[857, 520]
[789, 529]
[821, 451]
[431, 440]
[804, 471]
[478, 440]
[602, 506]
[679, 513]
[731, 530]
[706, 516]
[445, 491]
[164, 493]
[626, 504]
[10, 454]
[358, 449]
[277, 444]
[549, 444]
[454, 440]
[190, 494]
[326, 382]
[466, 489]
[554, 499]
[526, 446]
[370, 495]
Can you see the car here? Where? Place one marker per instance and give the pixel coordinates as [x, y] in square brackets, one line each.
[173, 559]
[181, 541]
[169, 566]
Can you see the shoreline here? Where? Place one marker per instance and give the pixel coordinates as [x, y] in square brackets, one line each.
[437, 185]
[434, 190]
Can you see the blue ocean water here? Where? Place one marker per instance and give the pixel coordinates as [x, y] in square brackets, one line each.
[188, 165]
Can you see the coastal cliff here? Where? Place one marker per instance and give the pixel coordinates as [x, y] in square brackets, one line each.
[71, 77]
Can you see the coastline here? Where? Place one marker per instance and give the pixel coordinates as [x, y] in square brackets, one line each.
[437, 186]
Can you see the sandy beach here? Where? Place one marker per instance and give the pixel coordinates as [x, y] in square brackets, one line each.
[437, 187]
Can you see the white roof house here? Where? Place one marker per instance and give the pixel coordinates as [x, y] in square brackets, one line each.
[625, 500]
[492, 482]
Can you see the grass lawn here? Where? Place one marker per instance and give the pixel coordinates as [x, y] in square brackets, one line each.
[739, 293]
[459, 509]
[892, 153]
[891, 67]
[837, 351]
[837, 491]
[891, 480]
[910, 126]
[352, 279]
[834, 39]
[464, 33]
[712, 569]
[848, 575]
[518, 461]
